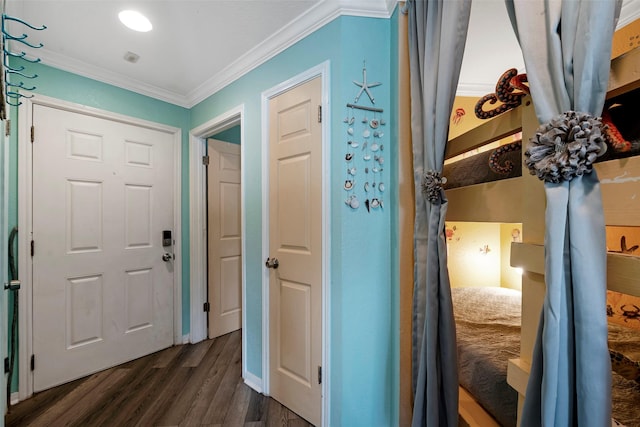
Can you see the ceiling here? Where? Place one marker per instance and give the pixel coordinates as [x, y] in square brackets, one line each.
[197, 47]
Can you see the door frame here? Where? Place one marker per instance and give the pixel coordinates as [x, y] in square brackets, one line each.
[25, 221]
[5, 322]
[198, 221]
[322, 71]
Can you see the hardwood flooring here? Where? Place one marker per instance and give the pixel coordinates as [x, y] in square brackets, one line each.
[187, 385]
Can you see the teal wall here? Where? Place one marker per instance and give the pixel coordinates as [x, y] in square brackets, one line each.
[364, 296]
[231, 135]
[362, 290]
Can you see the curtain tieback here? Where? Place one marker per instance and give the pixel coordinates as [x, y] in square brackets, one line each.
[432, 183]
[566, 147]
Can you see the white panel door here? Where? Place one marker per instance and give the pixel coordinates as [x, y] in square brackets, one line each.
[295, 240]
[225, 238]
[102, 194]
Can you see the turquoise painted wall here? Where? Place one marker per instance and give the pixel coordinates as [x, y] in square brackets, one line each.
[231, 135]
[362, 340]
[73, 88]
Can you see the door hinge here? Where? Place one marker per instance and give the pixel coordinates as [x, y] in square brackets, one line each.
[33, 248]
[7, 128]
[206, 307]
[319, 113]
[33, 362]
[33, 133]
[319, 374]
[205, 160]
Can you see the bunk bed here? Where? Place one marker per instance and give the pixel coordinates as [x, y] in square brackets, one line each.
[521, 199]
[486, 399]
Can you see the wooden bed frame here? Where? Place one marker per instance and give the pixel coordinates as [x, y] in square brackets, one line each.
[522, 200]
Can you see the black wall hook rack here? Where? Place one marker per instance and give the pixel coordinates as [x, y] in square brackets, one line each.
[13, 75]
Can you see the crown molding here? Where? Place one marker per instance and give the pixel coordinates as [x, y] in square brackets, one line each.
[368, 8]
[315, 18]
[84, 69]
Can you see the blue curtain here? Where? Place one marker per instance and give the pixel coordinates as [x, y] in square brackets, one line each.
[566, 46]
[437, 34]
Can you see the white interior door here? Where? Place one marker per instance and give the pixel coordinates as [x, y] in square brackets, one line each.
[102, 292]
[295, 240]
[225, 238]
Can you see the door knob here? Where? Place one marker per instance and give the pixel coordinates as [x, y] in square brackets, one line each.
[272, 263]
[166, 257]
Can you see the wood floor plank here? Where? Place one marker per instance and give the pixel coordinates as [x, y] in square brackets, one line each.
[166, 356]
[257, 410]
[37, 404]
[277, 415]
[80, 400]
[131, 407]
[183, 385]
[239, 405]
[131, 395]
[177, 410]
[217, 410]
[197, 353]
[165, 394]
[298, 422]
[205, 394]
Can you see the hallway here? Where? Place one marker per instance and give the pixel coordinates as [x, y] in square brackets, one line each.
[187, 385]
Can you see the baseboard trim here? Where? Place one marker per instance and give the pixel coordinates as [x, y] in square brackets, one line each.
[253, 381]
[15, 397]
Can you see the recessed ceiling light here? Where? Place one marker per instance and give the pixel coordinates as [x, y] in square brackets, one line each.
[135, 20]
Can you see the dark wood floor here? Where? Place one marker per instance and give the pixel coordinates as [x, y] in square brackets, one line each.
[187, 385]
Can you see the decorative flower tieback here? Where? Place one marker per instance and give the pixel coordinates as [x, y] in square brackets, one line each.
[565, 147]
[432, 186]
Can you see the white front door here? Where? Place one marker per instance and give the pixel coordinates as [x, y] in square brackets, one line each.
[225, 238]
[102, 196]
[295, 240]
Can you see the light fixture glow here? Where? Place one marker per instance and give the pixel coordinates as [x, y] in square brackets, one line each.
[135, 20]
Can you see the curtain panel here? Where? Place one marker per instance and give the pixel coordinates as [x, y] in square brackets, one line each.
[566, 46]
[437, 34]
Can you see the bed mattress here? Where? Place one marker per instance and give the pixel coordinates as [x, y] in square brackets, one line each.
[488, 335]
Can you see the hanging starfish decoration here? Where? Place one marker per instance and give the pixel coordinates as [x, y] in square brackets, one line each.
[364, 86]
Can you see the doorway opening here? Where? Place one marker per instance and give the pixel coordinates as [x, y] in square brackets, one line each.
[222, 140]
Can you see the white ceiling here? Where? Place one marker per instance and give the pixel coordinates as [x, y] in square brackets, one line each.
[199, 46]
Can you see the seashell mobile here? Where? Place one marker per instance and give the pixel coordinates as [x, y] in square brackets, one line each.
[364, 157]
